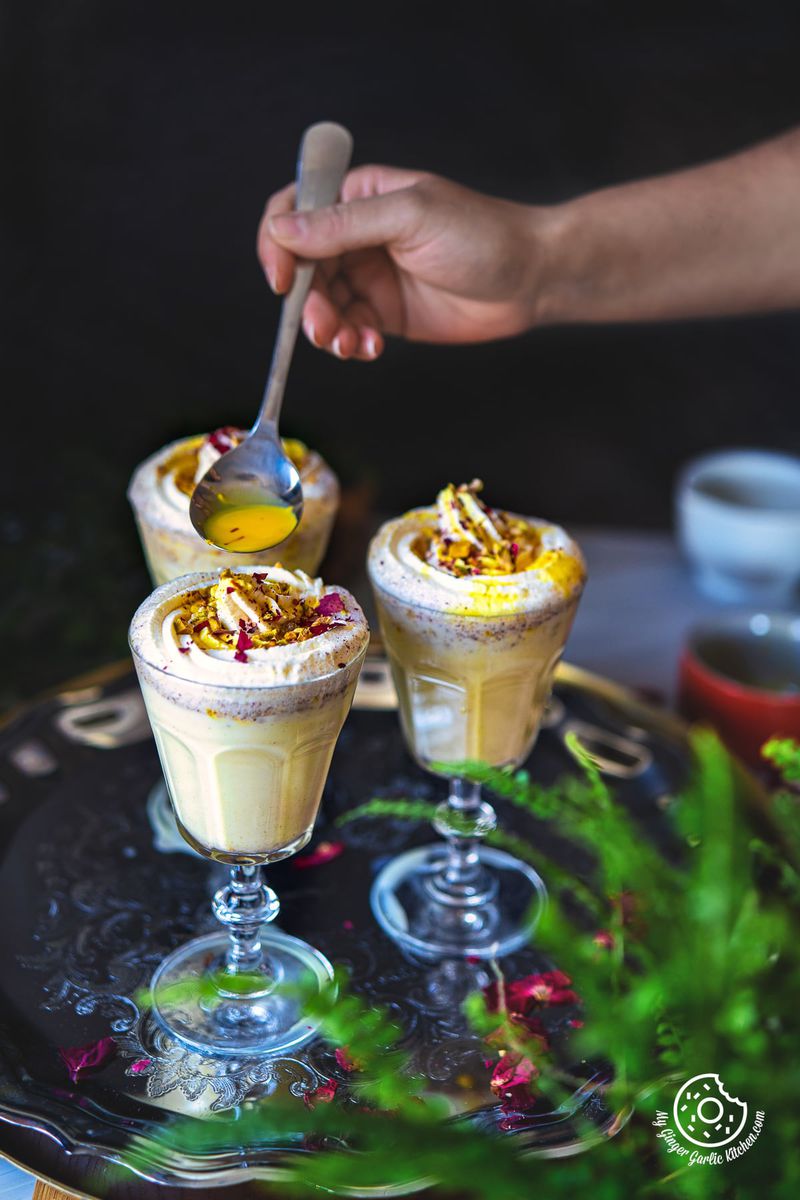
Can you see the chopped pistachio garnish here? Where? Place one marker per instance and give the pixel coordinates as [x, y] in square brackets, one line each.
[472, 539]
[249, 611]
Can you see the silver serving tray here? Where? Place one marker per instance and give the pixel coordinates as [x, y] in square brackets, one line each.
[99, 889]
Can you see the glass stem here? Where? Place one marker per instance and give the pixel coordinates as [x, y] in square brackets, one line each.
[243, 905]
[463, 820]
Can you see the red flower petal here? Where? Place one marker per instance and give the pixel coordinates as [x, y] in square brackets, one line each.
[345, 1059]
[244, 642]
[546, 987]
[513, 1082]
[201, 625]
[223, 439]
[330, 604]
[240, 656]
[604, 939]
[229, 590]
[138, 1067]
[322, 1094]
[90, 1057]
[323, 853]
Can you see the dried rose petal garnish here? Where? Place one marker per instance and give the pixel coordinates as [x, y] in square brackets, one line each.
[250, 611]
[604, 939]
[330, 604]
[140, 1066]
[225, 438]
[90, 1057]
[345, 1059]
[244, 641]
[513, 1082]
[323, 1094]
[545, 988]
[325, 852]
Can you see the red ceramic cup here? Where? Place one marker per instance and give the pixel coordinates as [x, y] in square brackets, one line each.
[741, 675]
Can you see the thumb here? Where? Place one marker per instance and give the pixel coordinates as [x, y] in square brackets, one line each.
[369, 221]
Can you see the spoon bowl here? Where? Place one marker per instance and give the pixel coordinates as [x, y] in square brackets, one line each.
[251, 498]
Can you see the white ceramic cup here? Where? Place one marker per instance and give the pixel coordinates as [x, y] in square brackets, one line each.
[738, 518]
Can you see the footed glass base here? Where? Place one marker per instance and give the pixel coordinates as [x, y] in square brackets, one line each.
[191, 1001]
[414, 905]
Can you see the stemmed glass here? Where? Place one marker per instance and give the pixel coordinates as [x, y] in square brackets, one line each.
[245, 768]
[469, 688]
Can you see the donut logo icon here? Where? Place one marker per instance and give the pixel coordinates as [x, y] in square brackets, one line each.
[705, 1114]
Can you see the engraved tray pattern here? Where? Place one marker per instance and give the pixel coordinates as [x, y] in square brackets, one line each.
[98, 892]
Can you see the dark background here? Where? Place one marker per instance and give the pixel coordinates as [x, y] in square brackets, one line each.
[140, 145]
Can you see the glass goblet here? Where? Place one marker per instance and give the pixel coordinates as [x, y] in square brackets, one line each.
[245, 766]
[470, 687]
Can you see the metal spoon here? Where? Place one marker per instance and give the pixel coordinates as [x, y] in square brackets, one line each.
[251, 498]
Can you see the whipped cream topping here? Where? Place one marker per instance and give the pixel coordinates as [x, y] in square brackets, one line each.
[164, 482]
[405, 559]
[249, 628]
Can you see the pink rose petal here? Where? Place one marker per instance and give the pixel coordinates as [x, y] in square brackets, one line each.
[90, 1057]
[513, 1081]
[330, 604]
[344, 1059]
[323, 853]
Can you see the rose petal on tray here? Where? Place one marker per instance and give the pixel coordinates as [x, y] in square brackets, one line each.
[322, 853]
[90, 1057]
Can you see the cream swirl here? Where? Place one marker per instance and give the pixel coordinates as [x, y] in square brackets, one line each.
[161, 632]
[554, 579]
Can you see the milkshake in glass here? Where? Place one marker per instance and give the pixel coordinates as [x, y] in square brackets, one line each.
[475, 606]
[247, 677]
[161, 488]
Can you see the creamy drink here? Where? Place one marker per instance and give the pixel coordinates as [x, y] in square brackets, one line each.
[161, 488]
[247, 677]
[475, 606]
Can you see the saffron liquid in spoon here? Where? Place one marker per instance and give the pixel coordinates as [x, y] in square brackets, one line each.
[250, 527]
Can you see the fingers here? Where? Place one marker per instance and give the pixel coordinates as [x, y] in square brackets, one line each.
[334, 321]
[277, 262]
[355, 225]
[378, 208]
[364, 182]
[372, 180]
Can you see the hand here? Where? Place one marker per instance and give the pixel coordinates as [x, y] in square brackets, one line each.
[405, 253]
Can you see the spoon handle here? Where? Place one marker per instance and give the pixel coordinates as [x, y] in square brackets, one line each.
[323, 160]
